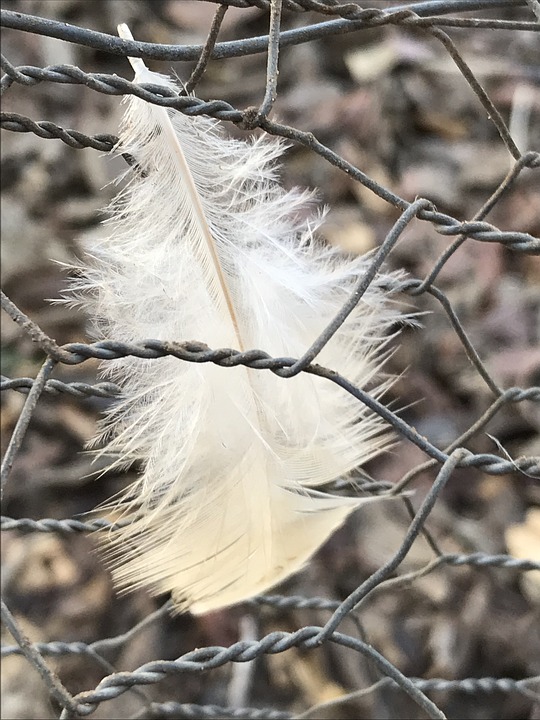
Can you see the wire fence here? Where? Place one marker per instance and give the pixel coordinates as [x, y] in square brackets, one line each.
[433, 17]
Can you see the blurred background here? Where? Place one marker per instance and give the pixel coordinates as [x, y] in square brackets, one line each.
[392, 102]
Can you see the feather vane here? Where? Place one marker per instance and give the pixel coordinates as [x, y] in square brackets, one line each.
[205, 244]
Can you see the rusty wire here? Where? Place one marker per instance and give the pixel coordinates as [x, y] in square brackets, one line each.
[431, 16]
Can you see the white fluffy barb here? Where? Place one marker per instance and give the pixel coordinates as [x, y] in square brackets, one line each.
[205, 244]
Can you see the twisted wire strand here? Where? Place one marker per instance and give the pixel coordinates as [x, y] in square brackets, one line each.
[421, 14]
[444, 224]
[469, 685]
[76, 353]
[208, 658]
[108, 142]
[111, 390]
[57, 387]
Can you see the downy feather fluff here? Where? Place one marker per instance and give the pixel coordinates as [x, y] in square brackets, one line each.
[203, 243]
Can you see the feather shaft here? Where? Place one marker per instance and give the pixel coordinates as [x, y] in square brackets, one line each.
[142, 74]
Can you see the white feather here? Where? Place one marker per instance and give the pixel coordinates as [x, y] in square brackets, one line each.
[205, 244]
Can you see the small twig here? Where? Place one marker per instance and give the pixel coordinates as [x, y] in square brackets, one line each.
[242, 674]
[520, 115]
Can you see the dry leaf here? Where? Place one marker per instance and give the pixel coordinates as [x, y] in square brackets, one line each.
[523, 542]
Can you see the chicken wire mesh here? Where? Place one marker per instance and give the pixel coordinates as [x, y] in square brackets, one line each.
[298, 654]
